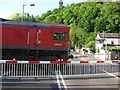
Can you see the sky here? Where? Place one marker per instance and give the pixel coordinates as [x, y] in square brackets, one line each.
[9, 7]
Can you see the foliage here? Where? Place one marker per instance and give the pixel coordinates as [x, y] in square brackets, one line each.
[25, 17]
[16, 16]
[114, 49]
[85, 20]
[97, 51]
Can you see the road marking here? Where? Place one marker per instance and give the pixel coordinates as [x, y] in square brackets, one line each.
[60, 85]
[6, 73]
[58, 82]
[110, 74]
[63, 81]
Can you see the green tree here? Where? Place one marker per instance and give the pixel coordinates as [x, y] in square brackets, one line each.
[50, 18]
[16, 16]
[19, 17]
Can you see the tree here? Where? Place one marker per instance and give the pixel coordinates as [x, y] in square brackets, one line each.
[37, 18]
[16, 16]
[25, 17]
[78, 36]
[50, 18]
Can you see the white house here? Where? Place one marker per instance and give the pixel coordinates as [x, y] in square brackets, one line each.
[104, 41]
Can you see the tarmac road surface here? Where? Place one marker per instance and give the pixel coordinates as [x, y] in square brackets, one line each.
[60, 82]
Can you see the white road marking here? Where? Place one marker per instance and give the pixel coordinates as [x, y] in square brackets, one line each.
[63, 81]
[58, 82]
[110, 74]
[58, 74]
[6, 73]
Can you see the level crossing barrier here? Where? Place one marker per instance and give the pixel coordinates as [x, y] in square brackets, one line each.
[15, 68]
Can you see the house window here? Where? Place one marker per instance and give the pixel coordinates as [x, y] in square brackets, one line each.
[112, 42]
[99, 41]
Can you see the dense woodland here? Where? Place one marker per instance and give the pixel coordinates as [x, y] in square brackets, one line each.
[84, 19]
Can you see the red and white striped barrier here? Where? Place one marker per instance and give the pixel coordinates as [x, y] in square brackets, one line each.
[58, 62]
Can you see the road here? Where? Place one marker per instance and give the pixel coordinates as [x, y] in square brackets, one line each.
[29, 83]
[58, 82]
[92, 81]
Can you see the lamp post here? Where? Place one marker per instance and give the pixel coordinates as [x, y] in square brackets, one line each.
[23, 10]
[106, 51]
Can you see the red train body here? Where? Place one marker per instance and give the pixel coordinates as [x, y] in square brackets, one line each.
[31, 40]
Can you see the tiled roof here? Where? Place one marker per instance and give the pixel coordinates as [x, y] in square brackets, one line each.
[109, 35]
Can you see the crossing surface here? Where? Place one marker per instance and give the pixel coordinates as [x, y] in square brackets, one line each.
[93, 82]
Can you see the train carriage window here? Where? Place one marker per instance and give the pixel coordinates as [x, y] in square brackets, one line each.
[59, 36]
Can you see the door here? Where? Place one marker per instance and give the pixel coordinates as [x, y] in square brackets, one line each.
[33, 37]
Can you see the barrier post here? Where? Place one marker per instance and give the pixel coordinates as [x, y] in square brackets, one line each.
[61, 65]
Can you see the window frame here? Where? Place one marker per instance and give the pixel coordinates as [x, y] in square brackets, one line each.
[60, 36]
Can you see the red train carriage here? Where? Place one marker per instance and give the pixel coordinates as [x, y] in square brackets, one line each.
[31, 40]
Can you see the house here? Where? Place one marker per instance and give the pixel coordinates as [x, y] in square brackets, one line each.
[105, 41]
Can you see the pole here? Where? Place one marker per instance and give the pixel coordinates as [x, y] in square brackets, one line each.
[23, 13]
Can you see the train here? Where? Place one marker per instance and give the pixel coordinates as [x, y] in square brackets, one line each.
[24, 40]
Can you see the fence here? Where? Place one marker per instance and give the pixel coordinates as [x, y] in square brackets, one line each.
[13, 68]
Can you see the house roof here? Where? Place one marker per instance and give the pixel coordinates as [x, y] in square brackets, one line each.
[109, 35]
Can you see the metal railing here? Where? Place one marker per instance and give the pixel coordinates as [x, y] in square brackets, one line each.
[24, 69]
